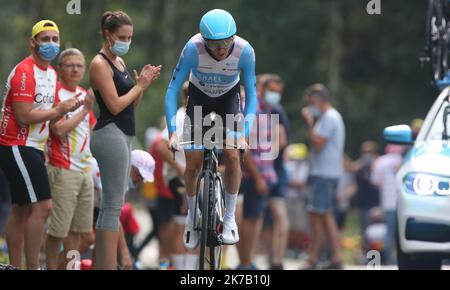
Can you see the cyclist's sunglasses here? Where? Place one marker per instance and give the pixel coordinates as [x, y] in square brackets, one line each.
[219, 44]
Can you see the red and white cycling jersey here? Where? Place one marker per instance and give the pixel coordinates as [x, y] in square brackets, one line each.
[73, 151]
[32, 84]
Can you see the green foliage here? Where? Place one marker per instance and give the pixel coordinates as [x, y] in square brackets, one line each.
[380, 81]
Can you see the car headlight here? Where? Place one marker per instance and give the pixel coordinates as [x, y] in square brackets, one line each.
[426, 184]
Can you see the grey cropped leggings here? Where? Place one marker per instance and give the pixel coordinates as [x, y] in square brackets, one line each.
[112, 149]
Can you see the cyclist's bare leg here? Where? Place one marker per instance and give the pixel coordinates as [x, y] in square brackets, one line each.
[233, 174]
[34, 232]
[15, 233]
[194, 162]
[232, 180]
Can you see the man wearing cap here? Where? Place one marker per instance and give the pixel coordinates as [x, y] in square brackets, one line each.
[68, 164]
[142, 167]
[30, 106]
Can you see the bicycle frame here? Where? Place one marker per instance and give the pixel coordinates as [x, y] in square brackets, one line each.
[212, 204]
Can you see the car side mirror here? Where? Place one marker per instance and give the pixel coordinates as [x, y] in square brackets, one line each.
[400, 134]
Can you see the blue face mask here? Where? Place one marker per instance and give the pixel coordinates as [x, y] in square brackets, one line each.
[314, 111]
[120, 47]
[48, 51]
[272, 98]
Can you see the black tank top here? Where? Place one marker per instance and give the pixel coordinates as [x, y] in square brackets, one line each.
[125, 119]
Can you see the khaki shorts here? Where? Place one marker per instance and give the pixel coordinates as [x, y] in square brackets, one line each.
[73, 202]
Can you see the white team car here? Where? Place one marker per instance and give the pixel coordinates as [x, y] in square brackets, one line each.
[423, 186]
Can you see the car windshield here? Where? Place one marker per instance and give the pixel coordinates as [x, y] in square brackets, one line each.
[438, 131]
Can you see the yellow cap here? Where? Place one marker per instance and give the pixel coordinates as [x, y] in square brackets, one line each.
[297, 151]
[417, 123]
[43, 25]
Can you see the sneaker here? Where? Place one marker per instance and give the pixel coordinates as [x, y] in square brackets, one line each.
[190, 236]
[230, 235]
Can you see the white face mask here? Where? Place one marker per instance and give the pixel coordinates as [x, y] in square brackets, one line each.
[314, 111]
[131, 185]
[272, 98]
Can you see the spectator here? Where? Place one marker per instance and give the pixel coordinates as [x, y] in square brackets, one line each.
[117, 96]
[30, 105]
[345, 192]
[297, 168]
[416, 125]
[68, 164]
[383, 176]
[375, 233]
[272, 89]
[327, 137]
[367, 195]
[259, 179]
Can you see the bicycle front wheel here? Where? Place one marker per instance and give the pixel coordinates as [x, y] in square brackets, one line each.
[218, 209]
[204, 224]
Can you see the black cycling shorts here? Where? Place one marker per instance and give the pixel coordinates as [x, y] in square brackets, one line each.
[227, 104]
[24, 167]
[179, 198]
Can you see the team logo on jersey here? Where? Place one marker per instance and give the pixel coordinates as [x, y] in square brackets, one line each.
[23, 81]
[41, 99]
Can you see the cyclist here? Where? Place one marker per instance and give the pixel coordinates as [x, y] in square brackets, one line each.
[30, 104]
[214, 59]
